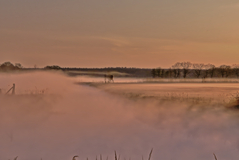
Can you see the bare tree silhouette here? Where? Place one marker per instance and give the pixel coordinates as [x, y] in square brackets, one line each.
[176, 69]
[198, 68]
[158, 71]
[235, 68]
[211, 69]
[18, 65]
[224, 70]
[186, 68]
[55, 67]
[6, 66]
[168, 73]
[208, 68]
[153, 72]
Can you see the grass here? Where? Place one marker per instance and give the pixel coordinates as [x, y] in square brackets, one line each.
[118, 157]
[215, 156]
[222, 99]
[191, 80]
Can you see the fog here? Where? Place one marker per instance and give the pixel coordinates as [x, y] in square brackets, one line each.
[72, 119]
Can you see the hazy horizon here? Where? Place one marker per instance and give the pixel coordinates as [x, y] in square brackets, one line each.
[170, 66]
[130, 33]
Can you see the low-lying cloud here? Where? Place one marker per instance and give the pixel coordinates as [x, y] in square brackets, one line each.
[72, 119]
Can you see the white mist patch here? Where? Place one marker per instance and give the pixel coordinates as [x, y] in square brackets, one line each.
[33, 82]
[102, 79]
[80, 120]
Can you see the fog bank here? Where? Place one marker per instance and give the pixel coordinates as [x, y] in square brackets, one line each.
[70, 119]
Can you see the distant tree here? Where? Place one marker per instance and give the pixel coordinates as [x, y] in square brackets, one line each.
[18, 65]
[209, 69]
[235, 68]
[54, 67]
[158, 71]
[176, 69]
[228, 71]
[198, 69]
[162, 73]
[224, 70]
[168, 73]
[153, 72]
[7, 66]
[186, 68]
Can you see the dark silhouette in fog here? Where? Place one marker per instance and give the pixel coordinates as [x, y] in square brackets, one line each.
[109, 77]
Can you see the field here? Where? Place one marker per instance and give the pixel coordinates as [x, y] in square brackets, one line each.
[86, 117]
[191, 93]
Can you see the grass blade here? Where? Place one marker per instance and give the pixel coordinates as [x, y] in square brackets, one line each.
[215, 156]
[150, 153]
[115, 156]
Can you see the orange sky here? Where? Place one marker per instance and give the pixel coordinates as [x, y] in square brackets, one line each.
[131, 33]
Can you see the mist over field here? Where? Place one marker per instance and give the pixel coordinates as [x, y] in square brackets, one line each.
[69, 119]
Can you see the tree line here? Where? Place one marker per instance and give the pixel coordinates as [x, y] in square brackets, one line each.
[8, 66]
[197, 70]
[178, 70]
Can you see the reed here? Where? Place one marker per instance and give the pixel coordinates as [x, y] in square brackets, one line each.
[215, 156]
[150, 154]
[118, 157]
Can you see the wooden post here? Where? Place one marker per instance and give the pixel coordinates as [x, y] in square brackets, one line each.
[13, 89]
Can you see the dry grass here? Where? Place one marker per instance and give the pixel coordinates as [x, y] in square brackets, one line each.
[191, 80]
[215, 156]
[222, 99]
[118, 157]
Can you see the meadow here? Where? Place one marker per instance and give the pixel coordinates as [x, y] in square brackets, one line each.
[86, 117]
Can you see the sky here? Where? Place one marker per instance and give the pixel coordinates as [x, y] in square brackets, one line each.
[113, 33]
